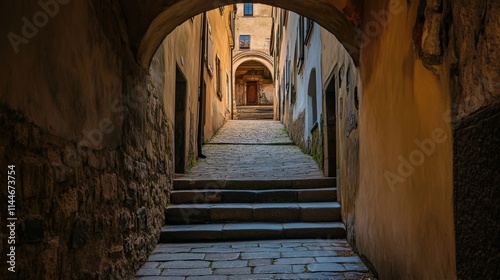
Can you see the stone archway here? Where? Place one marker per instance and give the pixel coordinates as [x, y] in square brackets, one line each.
[253, 89]
[151, 21]
[257, 58]
[90, 52]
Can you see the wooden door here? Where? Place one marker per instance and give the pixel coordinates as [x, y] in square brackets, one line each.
[180, 122]
[252, 98]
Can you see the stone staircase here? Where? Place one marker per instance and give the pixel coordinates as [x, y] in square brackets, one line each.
[255, 112]
[222, 210]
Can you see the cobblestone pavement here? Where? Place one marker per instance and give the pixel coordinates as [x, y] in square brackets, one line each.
[253, 149]
[282, 259]
[253, 132]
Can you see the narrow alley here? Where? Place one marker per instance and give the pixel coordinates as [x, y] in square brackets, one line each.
[230, 139]
[255, 184]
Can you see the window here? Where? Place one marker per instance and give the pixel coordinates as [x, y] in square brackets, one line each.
[287, 69]
[244, 41]
[293, 95]
[218, 78]
[248, 9]
[228, 91]
[301, 44]
[209, 54]
[309, 24]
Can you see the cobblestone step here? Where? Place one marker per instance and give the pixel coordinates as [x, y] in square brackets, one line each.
[252, 212]
[255, 112]
[255, 116]
[251, 231]
[260, 108]
[253, 184]
[204, 184]
[253, 196]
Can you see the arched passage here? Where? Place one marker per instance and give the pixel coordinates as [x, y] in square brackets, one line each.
[400, 97]
[253, 84]
[256, 56]
[151, 21]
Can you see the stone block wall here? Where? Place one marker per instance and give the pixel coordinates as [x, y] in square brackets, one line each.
[464, 38]
[316, 145]
[88, 135]
[476, 193]
[295, 129]
[89, 215]
[470, 43]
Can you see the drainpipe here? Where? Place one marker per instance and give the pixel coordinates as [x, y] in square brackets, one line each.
[202, 86]
[232, 86]
[232, 66]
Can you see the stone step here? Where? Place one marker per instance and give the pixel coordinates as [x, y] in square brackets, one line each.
[252, 212]
[255, 116]
[255, 109]
[253, 196]
[255, 112]
[202, 184]
[251, 231]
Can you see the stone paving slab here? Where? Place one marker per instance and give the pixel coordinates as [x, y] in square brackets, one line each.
[252, 132]
[226, 162]
[254, 156]
[253, 150]
[310, 259]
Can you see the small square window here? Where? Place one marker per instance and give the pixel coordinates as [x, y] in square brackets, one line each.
[248, 9]
[244, 41]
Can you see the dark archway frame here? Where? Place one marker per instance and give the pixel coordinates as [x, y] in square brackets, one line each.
[151, 21]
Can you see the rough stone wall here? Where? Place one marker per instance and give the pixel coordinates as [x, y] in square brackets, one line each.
[476, 193]
[316, 145]
[296, 129]
[91, 215]
[463, 38]
[89, 140]
[470, 43]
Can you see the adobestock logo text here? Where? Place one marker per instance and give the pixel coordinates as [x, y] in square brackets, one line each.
[31, 25]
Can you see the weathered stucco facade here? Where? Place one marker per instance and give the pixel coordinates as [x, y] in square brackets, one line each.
[404, 198]
[217, 75]
[175, 71]
[297, 49]
[340, 123]
[91, 136]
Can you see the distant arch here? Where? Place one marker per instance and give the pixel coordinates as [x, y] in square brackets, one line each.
[256, 56]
